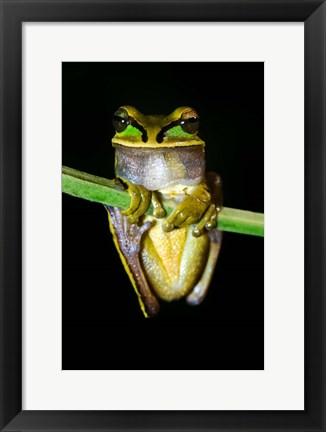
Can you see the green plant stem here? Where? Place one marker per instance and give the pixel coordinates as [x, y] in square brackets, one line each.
[98, 189]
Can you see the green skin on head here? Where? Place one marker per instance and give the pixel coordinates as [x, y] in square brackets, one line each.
[177, 131]
[132, 131]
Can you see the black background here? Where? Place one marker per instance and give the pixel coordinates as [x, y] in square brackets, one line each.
[102, 324]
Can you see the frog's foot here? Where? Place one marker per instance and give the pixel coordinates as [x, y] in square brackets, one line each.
[207, 222]
[140, 198]
[191, 209]
[179, 218]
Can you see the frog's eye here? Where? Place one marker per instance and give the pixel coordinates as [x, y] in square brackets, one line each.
[120, 120]
[185, 126]
[189, 122]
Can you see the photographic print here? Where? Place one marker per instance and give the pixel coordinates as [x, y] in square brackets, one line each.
[156, 286]
[85, 85]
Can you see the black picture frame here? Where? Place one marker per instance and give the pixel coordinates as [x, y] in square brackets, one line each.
[13, 14]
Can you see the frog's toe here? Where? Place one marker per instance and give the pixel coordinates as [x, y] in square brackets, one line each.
[212, 222]
[158, 211]
[208, 221]
[176, 218]
[135, 198]
[188, 221]
[167, 226]
[181, 217]
[145, 198]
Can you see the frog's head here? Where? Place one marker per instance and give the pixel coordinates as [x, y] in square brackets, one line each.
[134, 129]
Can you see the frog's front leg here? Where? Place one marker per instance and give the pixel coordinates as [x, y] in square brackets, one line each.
[196, 206]
[140, 199]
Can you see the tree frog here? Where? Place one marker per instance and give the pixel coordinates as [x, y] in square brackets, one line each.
[161, 160]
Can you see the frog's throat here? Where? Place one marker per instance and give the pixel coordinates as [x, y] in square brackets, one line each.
[160, 168]
[150, 145]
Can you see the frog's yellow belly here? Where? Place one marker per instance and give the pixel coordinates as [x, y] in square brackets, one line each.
[173, 261]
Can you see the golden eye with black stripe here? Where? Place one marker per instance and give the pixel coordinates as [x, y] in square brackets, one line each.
[125, 125]
[184, 127]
